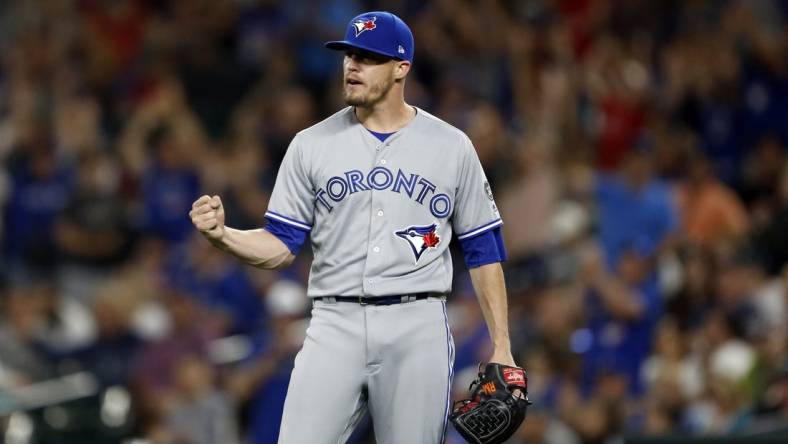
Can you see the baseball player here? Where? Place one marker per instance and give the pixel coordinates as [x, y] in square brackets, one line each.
[379, 189]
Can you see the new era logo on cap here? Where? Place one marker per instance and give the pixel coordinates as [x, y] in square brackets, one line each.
[364, 24]
[400, 49]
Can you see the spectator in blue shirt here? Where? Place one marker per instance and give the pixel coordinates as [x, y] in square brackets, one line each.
[167, 188]
[634, 209]
[41, 187]
[623, 303]
[622, 309]
[218, 284]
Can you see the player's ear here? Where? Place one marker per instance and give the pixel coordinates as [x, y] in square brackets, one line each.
[401, 70]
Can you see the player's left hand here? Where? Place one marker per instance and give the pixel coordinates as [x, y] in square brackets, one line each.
[505, 358]
[496, 407]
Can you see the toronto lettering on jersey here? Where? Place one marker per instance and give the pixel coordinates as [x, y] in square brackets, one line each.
[381, 178]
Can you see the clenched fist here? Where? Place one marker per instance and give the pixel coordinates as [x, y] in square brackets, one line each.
[208, 216]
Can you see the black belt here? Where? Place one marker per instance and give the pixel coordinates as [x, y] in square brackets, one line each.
[381, 300]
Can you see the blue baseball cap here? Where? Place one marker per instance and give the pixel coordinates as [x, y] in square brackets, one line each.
[379, 32]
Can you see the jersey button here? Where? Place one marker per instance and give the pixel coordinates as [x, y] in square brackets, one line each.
[376, 249]
[380, 212]
[382, 161]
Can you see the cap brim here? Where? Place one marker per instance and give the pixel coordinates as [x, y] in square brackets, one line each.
[341, 45]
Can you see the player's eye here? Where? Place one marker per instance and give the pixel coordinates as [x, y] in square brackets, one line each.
[365, 57]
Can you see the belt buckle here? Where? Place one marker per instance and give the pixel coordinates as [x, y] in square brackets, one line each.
[361, 301]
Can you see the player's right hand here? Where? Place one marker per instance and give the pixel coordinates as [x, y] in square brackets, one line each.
[208, 216]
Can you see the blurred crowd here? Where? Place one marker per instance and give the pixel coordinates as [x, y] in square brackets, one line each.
[636, 148]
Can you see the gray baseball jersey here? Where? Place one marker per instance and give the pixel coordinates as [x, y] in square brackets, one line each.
[381, 214]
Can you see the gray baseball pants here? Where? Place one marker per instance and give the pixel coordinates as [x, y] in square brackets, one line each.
[395, 360]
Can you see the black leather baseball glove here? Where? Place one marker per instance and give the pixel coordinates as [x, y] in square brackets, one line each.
[496, 408]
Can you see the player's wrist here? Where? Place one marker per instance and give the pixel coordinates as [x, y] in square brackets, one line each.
[504, 357]
[501, 344]
[217, 237]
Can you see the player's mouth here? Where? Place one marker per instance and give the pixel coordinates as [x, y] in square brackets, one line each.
[353, 82]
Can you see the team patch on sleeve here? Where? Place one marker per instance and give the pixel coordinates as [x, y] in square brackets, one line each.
[488, 190]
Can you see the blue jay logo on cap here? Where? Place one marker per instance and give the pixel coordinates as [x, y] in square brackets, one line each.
[364, 24]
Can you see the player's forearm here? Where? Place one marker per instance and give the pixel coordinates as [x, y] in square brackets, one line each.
[490, 289]
[258, 248]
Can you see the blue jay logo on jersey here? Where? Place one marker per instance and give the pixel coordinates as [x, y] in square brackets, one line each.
[420, 238]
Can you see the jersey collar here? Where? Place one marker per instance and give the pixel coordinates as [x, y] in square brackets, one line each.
[396, 135]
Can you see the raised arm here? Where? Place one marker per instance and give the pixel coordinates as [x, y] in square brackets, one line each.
[258, 247]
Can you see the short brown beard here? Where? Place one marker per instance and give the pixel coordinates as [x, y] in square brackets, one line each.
[376, 94]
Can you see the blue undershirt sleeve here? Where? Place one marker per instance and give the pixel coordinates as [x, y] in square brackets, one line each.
[290, 235]
[484, 248]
